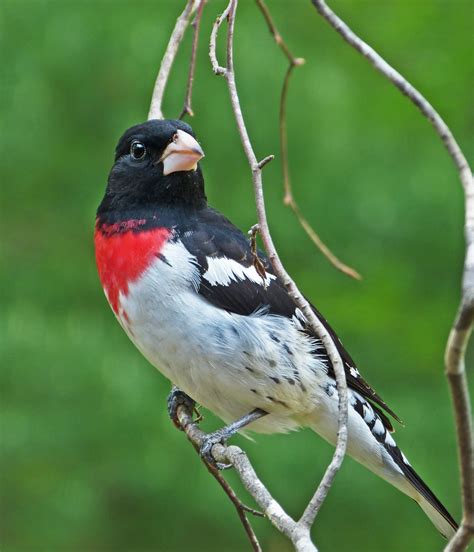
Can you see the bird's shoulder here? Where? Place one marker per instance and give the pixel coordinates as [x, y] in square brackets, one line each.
[233, 276]
[210, 235]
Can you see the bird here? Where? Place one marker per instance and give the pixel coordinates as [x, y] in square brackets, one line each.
[212, 316]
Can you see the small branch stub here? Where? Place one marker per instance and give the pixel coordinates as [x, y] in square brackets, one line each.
[264, 162]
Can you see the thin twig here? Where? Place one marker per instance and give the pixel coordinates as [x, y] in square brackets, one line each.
[462, 326]
[265, 160]
[289, 198]
[277, 36]
[241, 508]
[176, 37]
[456, 373]
[218, 69]
[300, 533]
[187, 107]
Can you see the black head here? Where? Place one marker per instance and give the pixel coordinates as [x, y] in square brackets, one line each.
[156, 164]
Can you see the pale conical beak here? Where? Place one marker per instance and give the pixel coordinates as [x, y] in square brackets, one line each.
[182, 154]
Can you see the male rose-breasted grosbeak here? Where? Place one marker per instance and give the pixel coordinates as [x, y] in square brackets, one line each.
[182, 282]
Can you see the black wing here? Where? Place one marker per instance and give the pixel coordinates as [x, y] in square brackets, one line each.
[218, 246]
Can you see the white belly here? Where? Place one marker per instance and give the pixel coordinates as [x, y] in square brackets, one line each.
[229, 363]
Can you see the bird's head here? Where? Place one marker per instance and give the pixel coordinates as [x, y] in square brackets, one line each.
[156, 164]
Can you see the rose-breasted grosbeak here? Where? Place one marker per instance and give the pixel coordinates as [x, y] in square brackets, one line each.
[182, 282]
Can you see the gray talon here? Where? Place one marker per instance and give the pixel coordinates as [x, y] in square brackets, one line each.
[177, 398]
[222, 435]
[206, 449]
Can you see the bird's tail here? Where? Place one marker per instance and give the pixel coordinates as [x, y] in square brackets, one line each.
[437, 513]
[424, 496]
[370, 443]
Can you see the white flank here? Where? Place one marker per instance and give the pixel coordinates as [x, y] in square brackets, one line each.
[229, 363]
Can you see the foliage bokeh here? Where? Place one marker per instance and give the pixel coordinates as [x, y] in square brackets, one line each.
[89, 459]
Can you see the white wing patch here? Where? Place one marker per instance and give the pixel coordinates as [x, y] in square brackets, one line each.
[354, 372]
[222, 271]
[299, 314]
[299, 319]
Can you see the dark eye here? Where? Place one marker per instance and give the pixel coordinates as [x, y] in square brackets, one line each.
[137, 150]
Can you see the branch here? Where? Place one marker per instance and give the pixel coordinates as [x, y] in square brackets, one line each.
[462, 326]
[241, 508]
[289, 198]
[187, 108]
[300, 532]
[456, 373]
[168, 59]
[238, 459]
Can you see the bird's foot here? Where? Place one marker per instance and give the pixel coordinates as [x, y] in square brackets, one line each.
[222, 435]
[219, 437]
[178, 398]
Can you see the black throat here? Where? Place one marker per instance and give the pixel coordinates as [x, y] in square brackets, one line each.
[150, 191]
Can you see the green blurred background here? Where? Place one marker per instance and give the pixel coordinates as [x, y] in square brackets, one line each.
[90, 461]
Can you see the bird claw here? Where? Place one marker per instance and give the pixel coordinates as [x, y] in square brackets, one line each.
[178, 398]
[221, 467]
[206, 449]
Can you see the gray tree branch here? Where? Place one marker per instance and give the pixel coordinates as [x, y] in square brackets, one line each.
[462, 326]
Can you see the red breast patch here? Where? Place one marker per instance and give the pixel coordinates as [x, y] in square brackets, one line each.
[123, 254]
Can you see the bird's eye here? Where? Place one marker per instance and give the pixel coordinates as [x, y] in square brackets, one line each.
[137, 150]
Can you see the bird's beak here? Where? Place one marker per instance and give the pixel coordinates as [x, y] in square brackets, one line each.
[182, 154]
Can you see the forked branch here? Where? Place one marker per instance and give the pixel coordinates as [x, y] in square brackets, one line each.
[188, 108]
[156, 111]
[185, 416]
